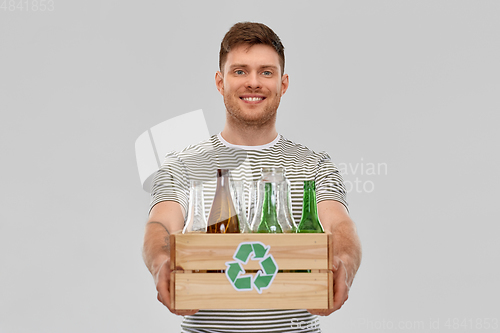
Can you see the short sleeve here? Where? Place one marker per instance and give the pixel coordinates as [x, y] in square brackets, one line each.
[329, 182]
[170, 182]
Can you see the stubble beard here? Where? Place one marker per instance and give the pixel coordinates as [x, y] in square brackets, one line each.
[238, 116]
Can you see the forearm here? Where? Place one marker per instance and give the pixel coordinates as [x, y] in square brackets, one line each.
[156, 248]
[347, 246]
[165, 218]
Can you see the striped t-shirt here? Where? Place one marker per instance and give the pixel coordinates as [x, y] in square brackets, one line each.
[200, 162]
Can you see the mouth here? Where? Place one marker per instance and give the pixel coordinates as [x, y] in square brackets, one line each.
[252, 99]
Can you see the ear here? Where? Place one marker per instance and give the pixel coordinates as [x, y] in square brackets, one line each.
[219, 82]
[284, 84]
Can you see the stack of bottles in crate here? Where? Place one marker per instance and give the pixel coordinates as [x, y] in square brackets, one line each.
[269, 209]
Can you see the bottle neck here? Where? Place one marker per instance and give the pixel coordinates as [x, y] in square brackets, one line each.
[269, 199]
[309, 206]
[223, 178]
[273, 174]
[197, 197]
[269, 220]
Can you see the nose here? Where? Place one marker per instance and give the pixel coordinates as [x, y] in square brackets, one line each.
[253, 81]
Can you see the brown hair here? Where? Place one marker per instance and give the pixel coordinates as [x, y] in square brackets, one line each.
[250, 33]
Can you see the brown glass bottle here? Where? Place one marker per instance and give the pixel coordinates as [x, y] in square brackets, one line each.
[223, 217]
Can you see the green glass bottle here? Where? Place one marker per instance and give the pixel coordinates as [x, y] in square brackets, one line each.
[269, 220]
[310, 221]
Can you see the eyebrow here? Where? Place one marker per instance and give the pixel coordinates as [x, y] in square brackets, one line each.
[245, 66]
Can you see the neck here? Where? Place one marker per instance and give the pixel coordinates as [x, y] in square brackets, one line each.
[249, 135]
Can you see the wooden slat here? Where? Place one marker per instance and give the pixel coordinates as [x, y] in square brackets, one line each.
[287, 291]
[172, 287]
[172, 250]
[330, 250]
[212, 251]
[330, 290]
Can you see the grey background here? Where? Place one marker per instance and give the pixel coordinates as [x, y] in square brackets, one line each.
[412, 86]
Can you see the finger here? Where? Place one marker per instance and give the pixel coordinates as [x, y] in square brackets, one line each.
[163, 286]
[185, 312]
[164, 294]
[340, 289]
[338, 301]
[320, 312]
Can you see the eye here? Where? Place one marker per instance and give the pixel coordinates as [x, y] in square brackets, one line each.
[239, 72]
[267, 73]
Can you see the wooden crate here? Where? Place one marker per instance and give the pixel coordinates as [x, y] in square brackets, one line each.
[297, 276]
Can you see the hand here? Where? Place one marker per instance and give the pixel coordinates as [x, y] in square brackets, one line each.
[162, 280]
[340, 288]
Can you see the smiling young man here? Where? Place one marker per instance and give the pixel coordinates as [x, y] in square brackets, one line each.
[251, 80]
[252, 83]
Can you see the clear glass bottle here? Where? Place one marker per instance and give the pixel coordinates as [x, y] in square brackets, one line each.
[284, 207]
[281, 194]
[238, 193]
[223, 217]
[196, 220]
[310, 221]
[253, 200]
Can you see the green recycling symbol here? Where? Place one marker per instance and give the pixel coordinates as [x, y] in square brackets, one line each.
[264, 277]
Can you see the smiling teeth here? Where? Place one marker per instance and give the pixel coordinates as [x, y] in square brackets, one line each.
[253, 99]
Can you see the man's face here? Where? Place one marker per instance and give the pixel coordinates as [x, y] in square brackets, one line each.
[252, 84]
